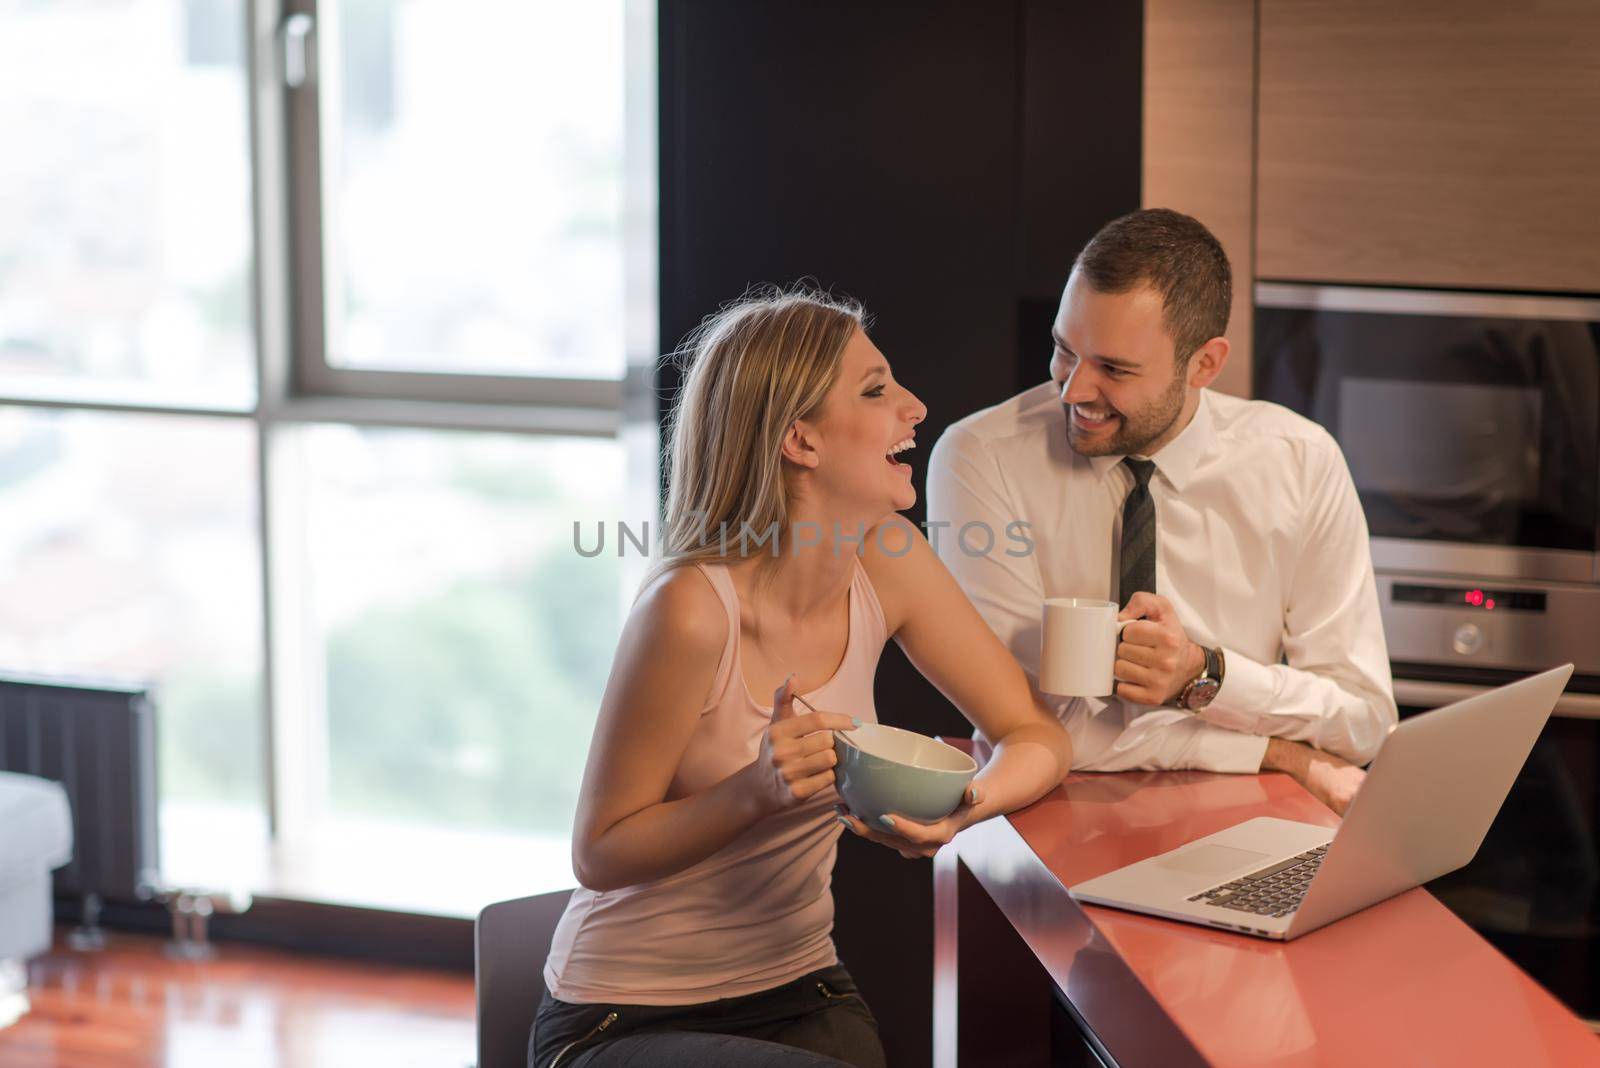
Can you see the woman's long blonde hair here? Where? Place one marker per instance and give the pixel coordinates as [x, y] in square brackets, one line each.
[751, 370]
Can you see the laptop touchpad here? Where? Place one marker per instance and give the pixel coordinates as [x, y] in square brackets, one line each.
[1210, 860]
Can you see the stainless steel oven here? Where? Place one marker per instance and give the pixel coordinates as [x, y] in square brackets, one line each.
[1471, 424]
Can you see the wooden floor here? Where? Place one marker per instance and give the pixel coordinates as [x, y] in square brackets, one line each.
[131, 1007]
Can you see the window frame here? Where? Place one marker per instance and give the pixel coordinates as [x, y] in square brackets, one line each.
[297, 384]
[299, 130]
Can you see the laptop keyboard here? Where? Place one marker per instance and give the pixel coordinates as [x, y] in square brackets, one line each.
[1275, 891]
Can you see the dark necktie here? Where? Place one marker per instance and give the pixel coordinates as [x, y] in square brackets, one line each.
[1137, 566]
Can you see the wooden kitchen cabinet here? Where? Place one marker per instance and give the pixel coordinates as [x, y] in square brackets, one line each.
[1449, 143]
[1199, 60]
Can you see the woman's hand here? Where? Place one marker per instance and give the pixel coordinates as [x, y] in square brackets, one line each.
[796, 758]
[913, 838]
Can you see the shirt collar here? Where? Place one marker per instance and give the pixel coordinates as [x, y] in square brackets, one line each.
[1178, 459]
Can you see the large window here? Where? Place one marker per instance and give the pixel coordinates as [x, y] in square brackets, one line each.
[125, 204]
[318, 324]
[506, 120]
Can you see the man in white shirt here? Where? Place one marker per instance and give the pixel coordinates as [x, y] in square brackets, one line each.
[1230, 529]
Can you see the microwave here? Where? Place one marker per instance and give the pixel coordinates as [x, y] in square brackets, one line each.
[1471, 426]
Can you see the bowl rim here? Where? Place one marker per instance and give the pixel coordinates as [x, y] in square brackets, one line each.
[970, 770]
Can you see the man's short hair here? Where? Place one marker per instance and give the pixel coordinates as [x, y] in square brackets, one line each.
[1173, 254]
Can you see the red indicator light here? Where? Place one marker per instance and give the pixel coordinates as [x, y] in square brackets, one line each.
[1475, 598]
[1489, 603]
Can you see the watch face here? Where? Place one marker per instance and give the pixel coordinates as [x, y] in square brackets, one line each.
[1199, 693]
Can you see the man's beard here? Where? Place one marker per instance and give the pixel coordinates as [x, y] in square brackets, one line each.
[1134, 432]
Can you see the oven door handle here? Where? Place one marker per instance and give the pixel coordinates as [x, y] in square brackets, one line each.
[1418, 694]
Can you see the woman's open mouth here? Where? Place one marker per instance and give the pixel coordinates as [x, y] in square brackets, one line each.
[896, 449]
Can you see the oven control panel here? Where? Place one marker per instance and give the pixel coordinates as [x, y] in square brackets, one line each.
[1478, 597]
[1431, 619]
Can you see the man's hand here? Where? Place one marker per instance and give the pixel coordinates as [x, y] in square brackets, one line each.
[1331, 780]
[1155, 659]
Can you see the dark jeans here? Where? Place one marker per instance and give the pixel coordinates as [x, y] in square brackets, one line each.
[815, 1021]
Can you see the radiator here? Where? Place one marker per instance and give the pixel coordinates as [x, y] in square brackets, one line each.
[99, 743]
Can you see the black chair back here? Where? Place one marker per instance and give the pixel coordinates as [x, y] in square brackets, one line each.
[512, 941]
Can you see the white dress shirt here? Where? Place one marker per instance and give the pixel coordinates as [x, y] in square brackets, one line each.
[1261, 546]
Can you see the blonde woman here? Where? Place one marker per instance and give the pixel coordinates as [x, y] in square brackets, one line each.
[708, 822]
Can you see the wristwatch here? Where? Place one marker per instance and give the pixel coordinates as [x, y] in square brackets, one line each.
[1201, 689]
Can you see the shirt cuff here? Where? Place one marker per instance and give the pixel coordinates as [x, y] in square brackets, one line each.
[1228, 751]
[1248, 690]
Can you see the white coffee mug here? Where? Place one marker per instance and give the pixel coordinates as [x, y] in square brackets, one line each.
[1079, 646]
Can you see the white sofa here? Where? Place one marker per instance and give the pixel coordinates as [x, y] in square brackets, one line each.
[35, 839]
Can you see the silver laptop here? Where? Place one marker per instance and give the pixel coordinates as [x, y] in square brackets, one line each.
[1426, 804]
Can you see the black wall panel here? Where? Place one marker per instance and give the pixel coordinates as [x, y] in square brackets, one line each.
[942, 163]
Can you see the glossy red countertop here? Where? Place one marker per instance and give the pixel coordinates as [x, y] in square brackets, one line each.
[1403, 982]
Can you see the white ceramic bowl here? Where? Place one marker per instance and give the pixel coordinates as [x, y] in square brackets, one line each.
[888, 771]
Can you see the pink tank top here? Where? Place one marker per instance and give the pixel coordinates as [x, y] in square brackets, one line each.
[758, 912]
